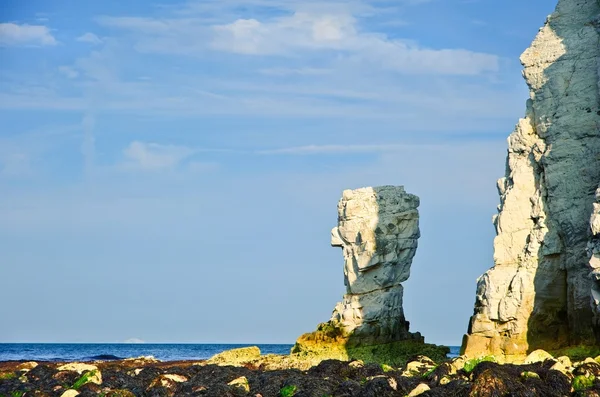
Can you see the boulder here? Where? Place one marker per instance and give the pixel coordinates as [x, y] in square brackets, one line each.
[236, 356]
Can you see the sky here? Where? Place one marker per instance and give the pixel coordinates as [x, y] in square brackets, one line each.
[170, 171]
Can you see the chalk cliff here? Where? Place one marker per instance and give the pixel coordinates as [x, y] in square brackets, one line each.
[378, 229]
[543, 291]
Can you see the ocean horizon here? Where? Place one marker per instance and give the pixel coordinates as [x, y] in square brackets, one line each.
[117, 351]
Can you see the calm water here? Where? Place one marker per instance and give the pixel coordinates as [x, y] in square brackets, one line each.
[110, 351]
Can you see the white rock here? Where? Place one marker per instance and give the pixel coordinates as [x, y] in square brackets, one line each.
[566, 361]
[537, 356]
[70, 393]
[241, 384]
[27, 366]
[377, 230]
[78, 367]
[417, 391]
[540, 288]
[176, 378]
[558, 366]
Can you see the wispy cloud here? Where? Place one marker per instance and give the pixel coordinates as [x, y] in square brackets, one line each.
[153, 156]
[89, 38]
[12, 34]
[326, 34]
[332, 149]
[68, 71]
[304, 71]
[339, 32]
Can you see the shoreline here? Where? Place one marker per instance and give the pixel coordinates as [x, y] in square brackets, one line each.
[541, 375]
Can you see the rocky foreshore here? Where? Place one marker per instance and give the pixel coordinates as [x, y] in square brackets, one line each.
[241, 373]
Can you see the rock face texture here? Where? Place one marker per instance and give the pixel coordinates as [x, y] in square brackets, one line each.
[378, 229]
[541, 292]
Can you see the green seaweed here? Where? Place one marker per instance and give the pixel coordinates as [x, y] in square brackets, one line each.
[85, 378]
[577, 353]
[288, 391]
[426, 374]
[7, 375]
[471, 364]
[583, 382]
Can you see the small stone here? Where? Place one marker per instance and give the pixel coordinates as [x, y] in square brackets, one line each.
[459, 362]
[26, 367]
[356, 364]
[445, 380]
[558, 366]
[70, 393]
[167, 381]
[417, 391]
[176, 378]
[419, 367]
[566, 361]
[537, 356]
[529, 375]
[240, 384]
[77, 367]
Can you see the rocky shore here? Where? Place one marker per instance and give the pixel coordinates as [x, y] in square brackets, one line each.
[241, 373]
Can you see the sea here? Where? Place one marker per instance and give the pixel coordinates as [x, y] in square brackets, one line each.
[117, 351]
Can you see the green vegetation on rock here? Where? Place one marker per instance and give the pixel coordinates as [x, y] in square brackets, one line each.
[7, 375]
[236, 356]
[386, 368]
[577, 353]
[583, 382]
[85, 378]
[288, 391]
[330, 342]
[471, 364]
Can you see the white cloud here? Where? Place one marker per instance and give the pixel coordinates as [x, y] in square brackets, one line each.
[12, 34]
[68, 71]
[328, 34]
[89, 38]
[316, 32]
[153, 156]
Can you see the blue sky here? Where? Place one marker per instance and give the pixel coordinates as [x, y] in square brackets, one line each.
[169, 171]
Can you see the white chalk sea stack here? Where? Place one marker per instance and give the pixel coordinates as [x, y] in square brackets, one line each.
[543, 291]
[378, 229]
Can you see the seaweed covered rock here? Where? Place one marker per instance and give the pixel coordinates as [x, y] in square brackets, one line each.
[377, 229]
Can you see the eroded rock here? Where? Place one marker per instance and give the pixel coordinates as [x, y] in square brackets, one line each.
[377, 229]
[538, 293]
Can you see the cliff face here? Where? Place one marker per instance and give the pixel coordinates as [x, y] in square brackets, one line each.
[377, 229]
[539, 292]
